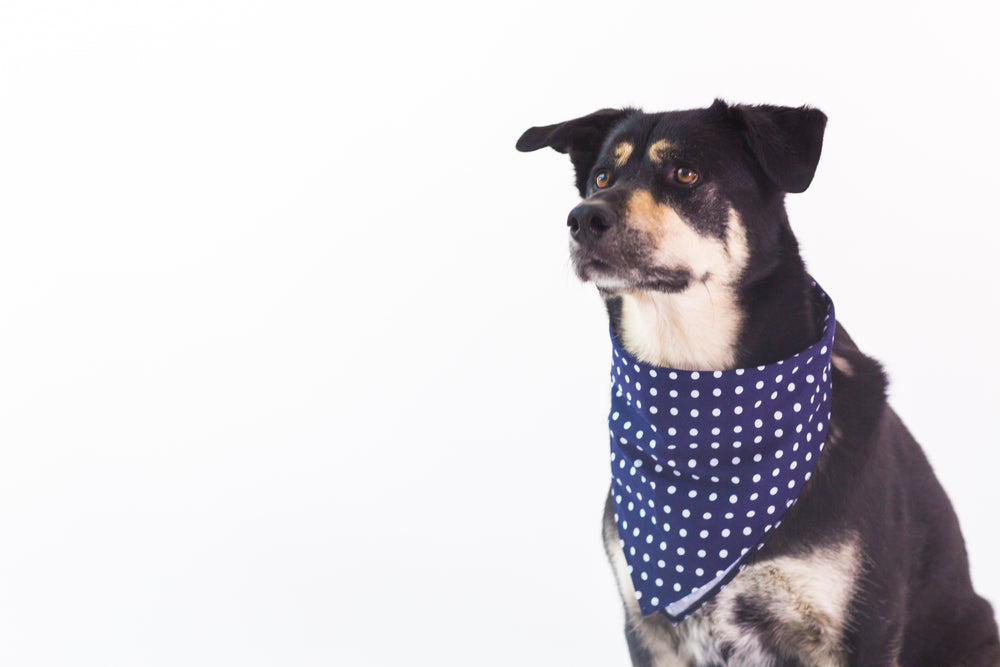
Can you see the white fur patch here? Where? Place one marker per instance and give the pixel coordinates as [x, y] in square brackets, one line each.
[842, 365]
[805, 597]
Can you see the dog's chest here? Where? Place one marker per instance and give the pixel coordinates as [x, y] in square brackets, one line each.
[775, 611]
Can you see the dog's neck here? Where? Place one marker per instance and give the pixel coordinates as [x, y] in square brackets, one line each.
[693, 330]
[721, 326]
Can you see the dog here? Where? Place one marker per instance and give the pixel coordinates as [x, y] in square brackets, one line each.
[683, 230]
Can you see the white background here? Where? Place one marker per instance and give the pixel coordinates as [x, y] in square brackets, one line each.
[293, 369]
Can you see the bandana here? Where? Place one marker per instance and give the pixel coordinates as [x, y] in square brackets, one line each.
[705, 464]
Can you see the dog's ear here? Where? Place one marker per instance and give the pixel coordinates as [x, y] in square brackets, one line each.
[581, 138]
[786, 141]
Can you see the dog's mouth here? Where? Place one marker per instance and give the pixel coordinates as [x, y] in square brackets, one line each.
[611, 279]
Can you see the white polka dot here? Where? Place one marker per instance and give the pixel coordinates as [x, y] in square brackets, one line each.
[747, 530]
[723, 553]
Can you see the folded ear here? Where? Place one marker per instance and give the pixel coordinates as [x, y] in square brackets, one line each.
[581, 138]
[786, 141]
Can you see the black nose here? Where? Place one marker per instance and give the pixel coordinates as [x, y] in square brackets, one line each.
[589, 220]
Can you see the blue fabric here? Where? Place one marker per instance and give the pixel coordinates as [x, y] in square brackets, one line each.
[705, 464]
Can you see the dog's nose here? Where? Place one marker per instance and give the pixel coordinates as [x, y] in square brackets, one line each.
[589, 220]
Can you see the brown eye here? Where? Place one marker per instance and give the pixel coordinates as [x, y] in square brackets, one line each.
[685, 176]
[602, 178]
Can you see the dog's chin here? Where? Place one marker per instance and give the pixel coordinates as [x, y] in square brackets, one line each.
[610, 281]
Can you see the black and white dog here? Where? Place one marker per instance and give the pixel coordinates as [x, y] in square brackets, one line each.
[683, 230]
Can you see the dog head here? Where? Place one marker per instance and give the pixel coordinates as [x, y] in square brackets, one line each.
[685, 201]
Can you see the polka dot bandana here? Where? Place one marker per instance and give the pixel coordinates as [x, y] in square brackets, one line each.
[705, 464]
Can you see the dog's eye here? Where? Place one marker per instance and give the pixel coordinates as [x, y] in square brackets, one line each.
[602, 178]
[685, 176]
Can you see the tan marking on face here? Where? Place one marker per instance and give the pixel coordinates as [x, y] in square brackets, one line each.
[622, 153]
[657, 151]
[695, 329]
[843, 365]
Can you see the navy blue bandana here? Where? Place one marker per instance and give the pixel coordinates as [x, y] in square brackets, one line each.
[705, 464]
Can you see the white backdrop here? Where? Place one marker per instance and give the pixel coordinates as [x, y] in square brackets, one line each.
[284, 317]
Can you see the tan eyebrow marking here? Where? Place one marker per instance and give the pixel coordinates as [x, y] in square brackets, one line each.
[657, 150]
[622, 153]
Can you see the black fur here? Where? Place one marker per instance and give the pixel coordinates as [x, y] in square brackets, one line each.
[914, 604]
